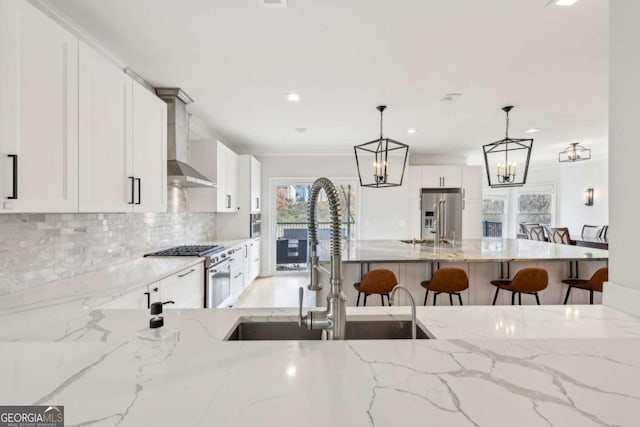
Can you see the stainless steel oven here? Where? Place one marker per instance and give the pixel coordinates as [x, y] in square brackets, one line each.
[218, 283]
[255, 223]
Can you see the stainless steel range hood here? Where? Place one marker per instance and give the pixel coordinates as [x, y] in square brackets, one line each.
[180, 174]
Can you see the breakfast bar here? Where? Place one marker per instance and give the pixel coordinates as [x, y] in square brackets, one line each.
[483, 260]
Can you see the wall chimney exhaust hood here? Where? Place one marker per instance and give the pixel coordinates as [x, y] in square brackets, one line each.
[180, 173]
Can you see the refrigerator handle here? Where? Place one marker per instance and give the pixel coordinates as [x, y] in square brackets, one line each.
[444, 221]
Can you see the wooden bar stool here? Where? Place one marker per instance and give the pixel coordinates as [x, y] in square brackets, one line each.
[526, 281]
[594, 284]
[450, 281]
[379, 281]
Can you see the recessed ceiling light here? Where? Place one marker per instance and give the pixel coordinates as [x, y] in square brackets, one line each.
[412, 130]
[453, 96]
[532, 130]
[563, 2]
[293, 97]
[300, 130]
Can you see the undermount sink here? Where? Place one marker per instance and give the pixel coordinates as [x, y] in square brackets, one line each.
[356, 330]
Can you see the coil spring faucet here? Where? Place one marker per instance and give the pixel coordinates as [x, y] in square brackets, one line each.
[333, 319]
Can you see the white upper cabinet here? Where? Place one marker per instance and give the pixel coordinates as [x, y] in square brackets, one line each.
[472, 182]
[256, 186]
[105, 146]
[229, 191]
[449, 176]
[414, 182]
[38, 112]
[216, 161]
[149, 151]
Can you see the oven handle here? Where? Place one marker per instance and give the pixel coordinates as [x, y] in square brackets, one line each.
[216, 268]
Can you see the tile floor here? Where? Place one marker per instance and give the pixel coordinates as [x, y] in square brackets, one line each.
[277, 291]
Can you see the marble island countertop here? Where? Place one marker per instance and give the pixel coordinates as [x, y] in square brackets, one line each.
[104, 376]
[467, 250]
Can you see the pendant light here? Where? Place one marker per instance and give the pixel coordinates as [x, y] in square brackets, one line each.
[507, 161]
[387, 157]
[574, 153]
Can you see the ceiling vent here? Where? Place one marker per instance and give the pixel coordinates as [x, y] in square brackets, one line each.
[273, 3]
[451, 96]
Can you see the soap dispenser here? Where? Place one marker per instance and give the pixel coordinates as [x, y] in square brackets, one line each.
[156, 330]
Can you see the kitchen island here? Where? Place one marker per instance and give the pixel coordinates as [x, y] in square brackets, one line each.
[483, 259]
[502, 366]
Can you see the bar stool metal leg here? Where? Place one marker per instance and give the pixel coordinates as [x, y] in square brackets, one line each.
[450, 299]
[434, 297]
[566, 298]
[358, 301]
[495, 297]
[382, 299]
[519, 298]
[537, 299]
[426, 295]
[513, 298]
[459, 298]
[590, 296]
[365, 300]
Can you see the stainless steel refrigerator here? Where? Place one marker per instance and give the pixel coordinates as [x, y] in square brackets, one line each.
[441, 213]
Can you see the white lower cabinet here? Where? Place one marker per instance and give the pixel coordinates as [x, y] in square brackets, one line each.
[254, 259]
[238, 272]
[185, 288]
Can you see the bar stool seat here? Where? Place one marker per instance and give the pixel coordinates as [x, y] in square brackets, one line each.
[379, 281]
[450, 281]
[526, 281]
[594, 284]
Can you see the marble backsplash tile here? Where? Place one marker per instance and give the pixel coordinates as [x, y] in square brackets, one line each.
[40, 248]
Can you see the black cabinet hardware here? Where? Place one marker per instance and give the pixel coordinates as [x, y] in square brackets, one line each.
[14, 193]
[133, 191]
[148, 294]
[139, 191]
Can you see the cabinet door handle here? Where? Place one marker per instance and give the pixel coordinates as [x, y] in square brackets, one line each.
[14, 192]
[139, 191]
[148, 294]
[463, 204]
[133, 190]
[257, 202]
[228, 201]
[187, 273]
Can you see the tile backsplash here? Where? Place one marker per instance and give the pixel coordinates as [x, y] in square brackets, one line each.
[40, 248]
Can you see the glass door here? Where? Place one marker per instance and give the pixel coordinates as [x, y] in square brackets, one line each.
[292, 224]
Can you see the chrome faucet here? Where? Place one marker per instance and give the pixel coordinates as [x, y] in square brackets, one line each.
[333, 319]
[413, 307]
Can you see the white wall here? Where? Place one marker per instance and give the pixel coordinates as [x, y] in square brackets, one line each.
[623, 291]
[574, 180]
[569, 180]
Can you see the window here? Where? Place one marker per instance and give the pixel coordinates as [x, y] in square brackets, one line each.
[535, 208]
[493, 216]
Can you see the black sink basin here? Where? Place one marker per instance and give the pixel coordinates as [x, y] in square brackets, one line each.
[363, 330]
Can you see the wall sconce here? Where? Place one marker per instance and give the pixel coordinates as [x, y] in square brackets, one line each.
[588, 197]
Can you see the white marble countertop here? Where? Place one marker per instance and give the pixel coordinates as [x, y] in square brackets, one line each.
[467, 250]
[104, 376]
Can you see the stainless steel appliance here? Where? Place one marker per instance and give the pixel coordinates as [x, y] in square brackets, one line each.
[441, 213]
[254, 223]
[217, 285]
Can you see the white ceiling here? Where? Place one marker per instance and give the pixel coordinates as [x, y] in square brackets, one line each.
[238, 60]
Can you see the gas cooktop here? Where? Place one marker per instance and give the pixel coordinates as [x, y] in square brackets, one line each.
[189, 250]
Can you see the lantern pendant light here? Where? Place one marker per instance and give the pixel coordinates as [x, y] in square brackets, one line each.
[387, 157]
[574, 153]
[501, 159]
